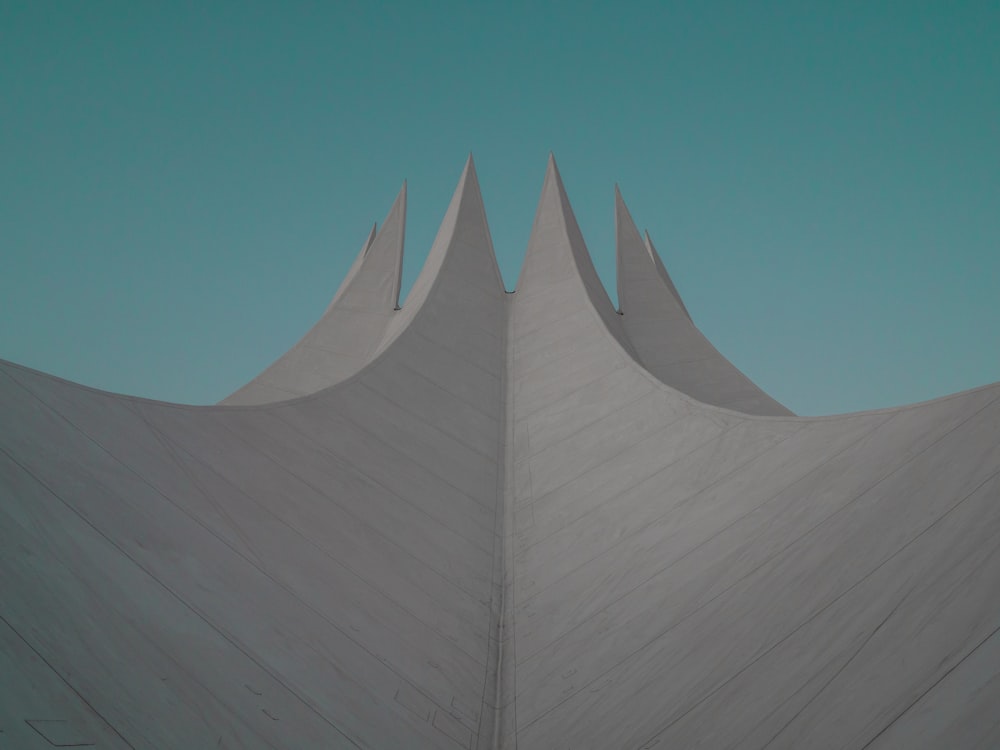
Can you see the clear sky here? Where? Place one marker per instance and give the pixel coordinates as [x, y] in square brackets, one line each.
[183, 185]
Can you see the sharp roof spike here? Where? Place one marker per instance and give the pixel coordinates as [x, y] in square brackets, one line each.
[556, 242]
[654, 256]
[386, 255]
[631, 256]
[371, 236]
[464, 223]
[557, 253]
[356, 266]
[366, 298]
[465, 231]
[461, 257]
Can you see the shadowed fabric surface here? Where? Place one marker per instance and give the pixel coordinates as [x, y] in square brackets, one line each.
[497, 520]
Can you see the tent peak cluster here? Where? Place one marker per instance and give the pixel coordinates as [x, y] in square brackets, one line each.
[363, 316]
[497, 521]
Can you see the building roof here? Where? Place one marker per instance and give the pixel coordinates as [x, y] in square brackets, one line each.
[497, 520]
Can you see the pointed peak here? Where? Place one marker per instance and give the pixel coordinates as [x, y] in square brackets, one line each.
[371, 237]
[623, 217]
[557, 201]
[367, 258]
[460, 265]
[553, 177]
[631, 255]
[648, 242]
[651, 249]
[375, 277]
[464, 234]
[397, 213]
[558, 254]
[399, 200]
[467, 192]
[665, 275]
[467, 170]
[554, 206]
[551, 167]
[556, 247]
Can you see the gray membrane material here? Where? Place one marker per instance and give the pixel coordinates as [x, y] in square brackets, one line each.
[497, 520]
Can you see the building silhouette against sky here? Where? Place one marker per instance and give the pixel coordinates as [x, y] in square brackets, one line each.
[491, 519]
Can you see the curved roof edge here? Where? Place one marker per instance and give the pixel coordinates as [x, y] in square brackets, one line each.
[667, 341]
[344, 339]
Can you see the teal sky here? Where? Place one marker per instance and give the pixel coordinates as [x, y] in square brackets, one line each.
[183, 185]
